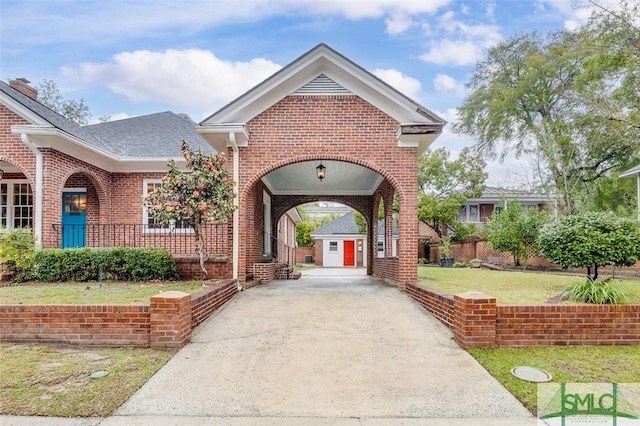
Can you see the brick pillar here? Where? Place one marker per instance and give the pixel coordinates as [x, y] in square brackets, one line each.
[474, 321]
[170, 319]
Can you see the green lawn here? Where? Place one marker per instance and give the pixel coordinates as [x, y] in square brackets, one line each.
[567, 364]
[94, 292]
[510, 286]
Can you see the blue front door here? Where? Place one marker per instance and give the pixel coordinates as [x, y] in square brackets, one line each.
[74, 219]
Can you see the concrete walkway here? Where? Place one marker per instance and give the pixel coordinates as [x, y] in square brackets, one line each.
[344, 350]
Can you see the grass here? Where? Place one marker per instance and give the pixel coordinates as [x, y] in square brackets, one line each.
[510, 287]
[93, 292]
[567, 364]
[53, 380]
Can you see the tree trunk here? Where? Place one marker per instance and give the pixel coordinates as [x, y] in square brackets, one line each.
[197, 230]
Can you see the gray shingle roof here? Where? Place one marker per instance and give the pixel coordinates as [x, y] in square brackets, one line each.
[154, 135]
[147, 136]
[50, 116]
[346, 225]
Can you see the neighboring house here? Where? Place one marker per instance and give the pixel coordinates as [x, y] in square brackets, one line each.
[479, 210]
[84, 185]
[286, 236]
[340, 244]
[635, 172]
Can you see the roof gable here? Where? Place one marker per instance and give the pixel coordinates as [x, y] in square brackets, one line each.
[323, 65]
[346, 225]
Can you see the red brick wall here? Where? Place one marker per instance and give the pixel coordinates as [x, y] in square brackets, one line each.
[166, 322]
[113, 325]
[204, 303]
[437, 303]
[189, 267]
[335, 127]
[567, 324]
[301, 252]
[477, 321]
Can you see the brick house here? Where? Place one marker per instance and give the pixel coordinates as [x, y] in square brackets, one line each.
[320, 110]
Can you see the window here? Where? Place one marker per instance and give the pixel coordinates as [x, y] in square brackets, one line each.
[497, 208]
[149, 220]
[333, 246]
[474, 213]
[470, 213]
[16, 205]
[380, 246]
[462, 214]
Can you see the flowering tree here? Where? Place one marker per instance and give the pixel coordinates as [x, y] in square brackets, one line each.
[202, 194]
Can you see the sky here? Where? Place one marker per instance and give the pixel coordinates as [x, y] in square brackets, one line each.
[136, 57]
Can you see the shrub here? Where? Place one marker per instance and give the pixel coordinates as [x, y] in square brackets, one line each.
[17, 251]
[422, 261]
[591, 291]
[119, 263]
[591, 240]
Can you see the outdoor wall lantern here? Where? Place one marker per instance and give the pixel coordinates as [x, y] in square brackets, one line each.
[320, 171]
[1, 172]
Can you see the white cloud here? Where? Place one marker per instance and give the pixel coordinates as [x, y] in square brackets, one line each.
[190, 78]
[574, 13]
[409, 86]
[446, 83]
[462, 44]
[398, 23]
[453, 52]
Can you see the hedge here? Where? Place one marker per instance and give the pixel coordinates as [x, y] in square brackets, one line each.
[118, 263]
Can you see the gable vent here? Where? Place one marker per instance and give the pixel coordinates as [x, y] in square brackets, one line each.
[321, 85]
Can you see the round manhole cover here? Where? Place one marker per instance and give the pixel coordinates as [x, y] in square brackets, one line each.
[531, 374]
[99, 374]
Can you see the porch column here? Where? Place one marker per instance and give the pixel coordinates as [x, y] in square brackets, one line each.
[37, 220]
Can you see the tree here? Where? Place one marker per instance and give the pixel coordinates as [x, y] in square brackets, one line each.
[201, 195]
[445, 185]
[590, 240]
[303, 233]
[534, 95]
[74, 110]
[515, 230]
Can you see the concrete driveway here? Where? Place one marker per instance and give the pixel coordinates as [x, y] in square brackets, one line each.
[339, 350]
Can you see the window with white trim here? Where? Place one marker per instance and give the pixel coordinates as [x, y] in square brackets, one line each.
[333, 246]
[469, 213]
[16, 205]
[151, 185]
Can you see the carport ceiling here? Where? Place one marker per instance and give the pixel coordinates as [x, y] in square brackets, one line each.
[341, 179]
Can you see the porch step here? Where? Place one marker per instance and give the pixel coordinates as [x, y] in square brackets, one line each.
[295, 276]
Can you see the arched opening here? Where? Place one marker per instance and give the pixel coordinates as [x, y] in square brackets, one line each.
[281, 187]
[80, 216]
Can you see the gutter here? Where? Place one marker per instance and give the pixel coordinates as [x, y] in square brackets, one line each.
[235, 256]
[37, 227]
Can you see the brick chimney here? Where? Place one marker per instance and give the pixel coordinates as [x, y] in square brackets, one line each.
[22, 84]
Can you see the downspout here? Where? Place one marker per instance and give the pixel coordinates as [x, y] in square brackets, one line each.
[638, 199]
[37, 227]
[235, 255]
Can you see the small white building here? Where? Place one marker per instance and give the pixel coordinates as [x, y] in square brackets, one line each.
[340, 244]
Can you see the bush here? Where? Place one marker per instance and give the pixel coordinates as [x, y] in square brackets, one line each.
[591, 240]
[119, 263]
[17, 251]
[590, 291]
[422, 261]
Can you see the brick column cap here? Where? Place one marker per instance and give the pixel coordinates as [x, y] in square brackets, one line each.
[170, 295]
[474, 295]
